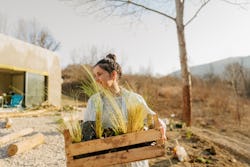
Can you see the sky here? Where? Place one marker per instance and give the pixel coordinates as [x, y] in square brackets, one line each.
[150, 43]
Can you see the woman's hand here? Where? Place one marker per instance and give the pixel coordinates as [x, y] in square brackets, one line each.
[163, 133]
[163, 129]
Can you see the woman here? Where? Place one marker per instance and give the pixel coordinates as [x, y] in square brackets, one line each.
[107, 73]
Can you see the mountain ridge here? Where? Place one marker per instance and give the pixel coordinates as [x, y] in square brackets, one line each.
[216, 67]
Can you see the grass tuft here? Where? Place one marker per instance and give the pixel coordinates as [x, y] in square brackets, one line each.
[74, 127]
[136, 117]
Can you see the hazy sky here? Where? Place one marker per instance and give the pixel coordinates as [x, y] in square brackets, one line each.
[221, 30]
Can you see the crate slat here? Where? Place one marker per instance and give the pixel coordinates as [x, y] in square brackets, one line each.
[120, 157]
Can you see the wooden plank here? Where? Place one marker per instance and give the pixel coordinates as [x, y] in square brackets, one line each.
[25, 145]
[8, 122]
[20, 114]
[67, 141]
[120, 157]
[28, 114]
[114, 142]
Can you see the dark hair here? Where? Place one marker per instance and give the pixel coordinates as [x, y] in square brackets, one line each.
[109, 64]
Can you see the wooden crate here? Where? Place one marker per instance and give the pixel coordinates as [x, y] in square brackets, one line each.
[116, 149]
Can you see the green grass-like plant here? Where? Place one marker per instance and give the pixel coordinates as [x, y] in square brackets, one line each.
[98, 124]
[136, 117]
[118, 120]
[74, 127]
[89, 85]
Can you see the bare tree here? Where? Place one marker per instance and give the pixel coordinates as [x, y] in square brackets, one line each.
[32, 32]
[247, 82]
[170, 9]
[3, 24]
[81, 56]
[234, 74]
[239, 79]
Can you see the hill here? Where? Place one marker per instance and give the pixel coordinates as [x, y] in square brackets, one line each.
[216, 67]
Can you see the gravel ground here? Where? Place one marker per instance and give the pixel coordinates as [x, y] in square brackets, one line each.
[49, 154]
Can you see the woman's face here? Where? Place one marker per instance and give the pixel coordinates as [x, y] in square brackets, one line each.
[103, 77]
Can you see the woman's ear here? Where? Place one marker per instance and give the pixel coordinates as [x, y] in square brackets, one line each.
[114, 75]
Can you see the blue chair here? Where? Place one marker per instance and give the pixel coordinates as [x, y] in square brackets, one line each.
[16, 100]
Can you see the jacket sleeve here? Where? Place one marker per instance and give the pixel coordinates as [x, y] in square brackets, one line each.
[142, 101]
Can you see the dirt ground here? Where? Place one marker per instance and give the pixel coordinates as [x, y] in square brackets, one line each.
[204, 148]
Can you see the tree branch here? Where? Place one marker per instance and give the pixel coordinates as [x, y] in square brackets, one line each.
[196, 13]
[144, 7]
[236, 2]
[240, 4]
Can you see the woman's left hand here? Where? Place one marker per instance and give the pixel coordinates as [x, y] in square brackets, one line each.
[163, 133]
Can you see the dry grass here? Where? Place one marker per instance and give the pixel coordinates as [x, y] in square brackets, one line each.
[163, 95]
[73, 125]
[98, 124]
[216, 106]
[118, 120]
[136, 117]
[70, 102]
[89, 85]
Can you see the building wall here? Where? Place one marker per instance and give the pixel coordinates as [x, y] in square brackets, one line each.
[55, 83]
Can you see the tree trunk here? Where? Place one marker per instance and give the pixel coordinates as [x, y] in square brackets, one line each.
[15, 135]
[186, 79]
[26, 144]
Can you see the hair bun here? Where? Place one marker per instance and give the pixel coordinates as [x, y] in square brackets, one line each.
[111, 56]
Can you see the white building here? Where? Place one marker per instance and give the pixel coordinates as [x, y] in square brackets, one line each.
[29, 70]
